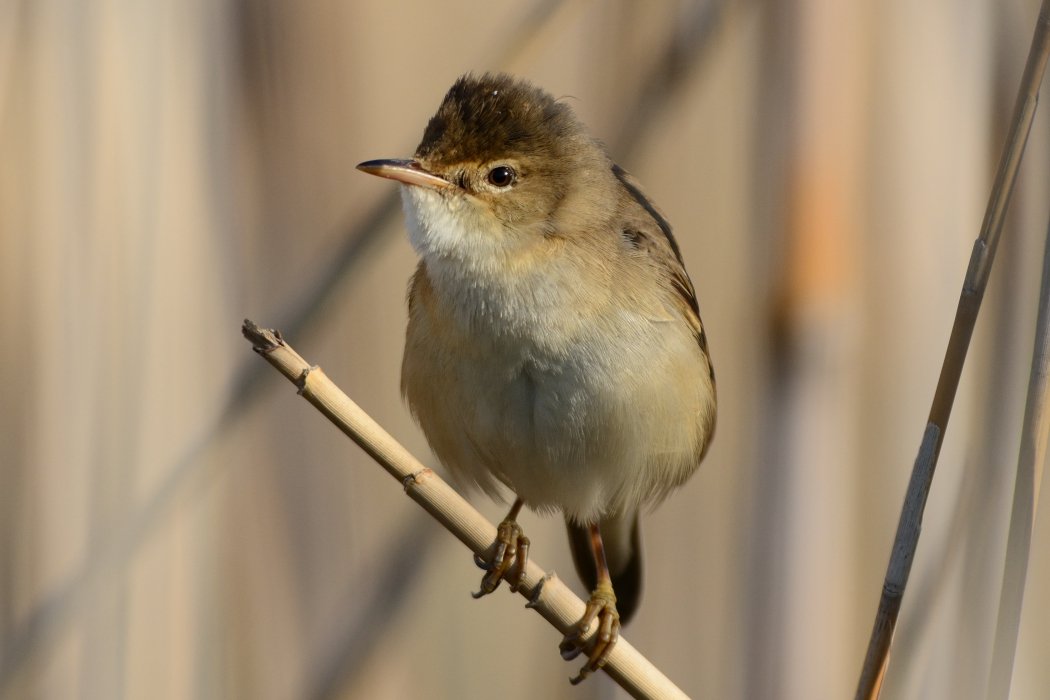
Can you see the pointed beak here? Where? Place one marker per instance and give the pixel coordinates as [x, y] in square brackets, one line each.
[407, 171]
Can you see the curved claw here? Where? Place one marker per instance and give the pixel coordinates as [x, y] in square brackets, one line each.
[512, 551]
[571, 652]
[601, 606]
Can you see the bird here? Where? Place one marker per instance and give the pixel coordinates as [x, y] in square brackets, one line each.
[554, 344]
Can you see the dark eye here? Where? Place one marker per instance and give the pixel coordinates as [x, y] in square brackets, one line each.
[501, 176]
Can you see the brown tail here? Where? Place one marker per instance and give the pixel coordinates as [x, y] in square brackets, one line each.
[623, 551]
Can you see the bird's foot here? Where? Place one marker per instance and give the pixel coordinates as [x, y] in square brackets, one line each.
[601, 606]
[512, 550]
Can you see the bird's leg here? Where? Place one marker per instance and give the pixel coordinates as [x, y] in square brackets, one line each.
[511, 546]
[601, 606]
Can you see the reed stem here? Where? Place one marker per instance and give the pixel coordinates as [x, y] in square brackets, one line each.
[910, 525]
[545, 591]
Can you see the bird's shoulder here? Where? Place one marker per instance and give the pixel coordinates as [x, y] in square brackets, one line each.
[647, 234]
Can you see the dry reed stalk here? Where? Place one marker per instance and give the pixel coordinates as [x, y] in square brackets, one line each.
[546, 593]
[1026, 497]
[910, 525]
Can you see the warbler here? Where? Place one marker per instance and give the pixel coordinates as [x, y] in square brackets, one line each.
[554, 341]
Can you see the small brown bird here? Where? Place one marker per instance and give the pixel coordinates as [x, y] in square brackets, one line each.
[554, 341]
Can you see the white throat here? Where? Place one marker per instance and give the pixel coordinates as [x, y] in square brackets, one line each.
[486, 274]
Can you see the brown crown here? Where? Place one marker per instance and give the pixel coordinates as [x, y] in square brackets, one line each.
[486, 118]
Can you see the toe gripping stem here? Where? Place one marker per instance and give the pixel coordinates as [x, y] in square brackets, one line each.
[601, 608]
[512, 552]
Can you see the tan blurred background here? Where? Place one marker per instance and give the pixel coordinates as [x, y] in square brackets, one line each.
[175, 523]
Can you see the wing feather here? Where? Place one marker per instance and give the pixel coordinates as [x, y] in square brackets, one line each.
[658, 244]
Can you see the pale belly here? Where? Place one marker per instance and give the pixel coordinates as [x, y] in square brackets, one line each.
[603, 423]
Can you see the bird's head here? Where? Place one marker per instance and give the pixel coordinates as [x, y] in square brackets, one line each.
[502, 165]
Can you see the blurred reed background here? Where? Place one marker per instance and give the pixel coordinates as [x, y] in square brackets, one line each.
[174, 523]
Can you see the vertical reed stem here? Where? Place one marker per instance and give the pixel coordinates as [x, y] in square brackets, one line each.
[974, 285]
